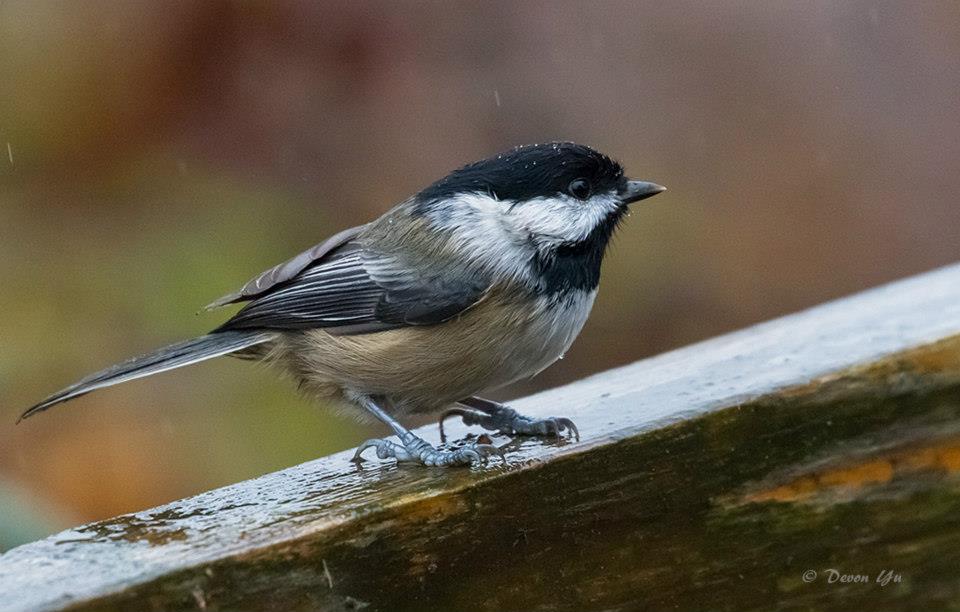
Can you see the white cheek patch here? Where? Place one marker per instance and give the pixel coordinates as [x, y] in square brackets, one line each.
[497, 233]
[563, 218]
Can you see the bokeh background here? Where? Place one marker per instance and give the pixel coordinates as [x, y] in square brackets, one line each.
[155, 155]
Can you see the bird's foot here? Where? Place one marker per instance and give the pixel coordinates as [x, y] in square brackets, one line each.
[417, 450]
[508, 421]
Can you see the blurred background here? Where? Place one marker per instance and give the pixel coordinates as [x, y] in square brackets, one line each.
[154, 156]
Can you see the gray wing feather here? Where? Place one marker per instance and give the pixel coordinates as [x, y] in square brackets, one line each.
[287, 270]
[356, 290]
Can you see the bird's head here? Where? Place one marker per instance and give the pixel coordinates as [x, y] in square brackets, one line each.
[559, 200]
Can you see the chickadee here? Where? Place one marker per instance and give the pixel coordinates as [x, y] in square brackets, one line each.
[483, 278]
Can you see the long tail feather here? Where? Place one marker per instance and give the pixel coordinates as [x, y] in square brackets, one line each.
[167, 358]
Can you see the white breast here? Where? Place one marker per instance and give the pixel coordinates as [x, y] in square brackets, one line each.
[555, 325]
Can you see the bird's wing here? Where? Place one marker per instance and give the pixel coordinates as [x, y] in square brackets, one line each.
[356, 290]
[286, 271]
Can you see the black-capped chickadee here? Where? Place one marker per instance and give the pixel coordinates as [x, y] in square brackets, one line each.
[483, 278]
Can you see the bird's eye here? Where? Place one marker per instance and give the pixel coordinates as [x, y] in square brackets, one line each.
[579, 188]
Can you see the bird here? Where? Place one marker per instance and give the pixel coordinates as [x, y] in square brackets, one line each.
[483, 278]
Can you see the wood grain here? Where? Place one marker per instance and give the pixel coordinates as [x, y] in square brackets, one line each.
[708, 478]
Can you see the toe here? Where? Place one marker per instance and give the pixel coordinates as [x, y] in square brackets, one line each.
[565, 423]
[487, 450]
[469, 456]
[358, 455]
[553, 427]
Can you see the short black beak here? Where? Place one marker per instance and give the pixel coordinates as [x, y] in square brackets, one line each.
[634, 191]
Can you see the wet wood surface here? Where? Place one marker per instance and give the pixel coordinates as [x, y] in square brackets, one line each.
[810, 462]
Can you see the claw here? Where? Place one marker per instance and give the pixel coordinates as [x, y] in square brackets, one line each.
[460, 412]
[552, 426]
[568, 424]
[357, 456]
[490, 449]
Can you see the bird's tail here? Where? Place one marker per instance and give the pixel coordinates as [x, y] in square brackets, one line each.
[167, 358]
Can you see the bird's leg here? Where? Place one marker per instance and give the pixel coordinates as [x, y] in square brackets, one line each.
[499, 417]
[412, 448]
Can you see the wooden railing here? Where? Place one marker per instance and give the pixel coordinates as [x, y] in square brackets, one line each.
[806, 463]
